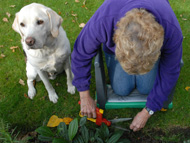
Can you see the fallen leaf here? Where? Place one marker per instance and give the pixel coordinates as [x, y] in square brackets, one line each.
[67, 120]
[13, 48]
[2, 55]
[77, 1]
[21, 82]
[8, 14]
[73, 20]
[184, 19]
[5, 19]
[187, 88]
[163, 110]
[74, 14]
[1, 46]
[66, 3]
[84, 2]
[181, 15]
[25, 95]
[12, 6]
[55, 121]
[81, 25]
[59, 12]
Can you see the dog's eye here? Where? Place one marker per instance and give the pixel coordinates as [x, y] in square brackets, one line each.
[22, 24]
[40, 22]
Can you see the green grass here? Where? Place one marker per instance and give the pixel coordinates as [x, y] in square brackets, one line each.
[27, 115]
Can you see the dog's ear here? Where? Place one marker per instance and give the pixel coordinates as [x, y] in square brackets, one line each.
[15, 24]
[55, 22]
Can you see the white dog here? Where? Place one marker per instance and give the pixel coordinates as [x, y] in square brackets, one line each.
[46, 46]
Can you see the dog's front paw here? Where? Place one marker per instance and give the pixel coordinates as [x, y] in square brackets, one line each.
[53, 97]
[31, 92]
[71, 89]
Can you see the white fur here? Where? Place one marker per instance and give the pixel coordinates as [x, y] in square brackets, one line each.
[50, 54]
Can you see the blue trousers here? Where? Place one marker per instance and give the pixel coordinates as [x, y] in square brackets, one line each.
[122, 83]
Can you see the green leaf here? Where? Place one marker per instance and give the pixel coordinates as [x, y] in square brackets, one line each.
[60, 140]
[78, 139]
[85, 134]
[102, 132]
[83, 121]
[99, 140]
[105, 130]
[62, 130]
[91, 134]
[45, 131]
[92, 139]
[97, 132]
[114, 138]
[45, 138]
[73, 128]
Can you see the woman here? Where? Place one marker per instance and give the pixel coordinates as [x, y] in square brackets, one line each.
[143, 47]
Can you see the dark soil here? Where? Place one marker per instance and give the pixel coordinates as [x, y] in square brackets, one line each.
[173, 135]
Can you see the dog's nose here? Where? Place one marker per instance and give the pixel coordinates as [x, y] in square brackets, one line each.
[30, 41]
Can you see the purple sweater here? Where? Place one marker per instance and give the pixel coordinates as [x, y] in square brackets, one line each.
[100, 29]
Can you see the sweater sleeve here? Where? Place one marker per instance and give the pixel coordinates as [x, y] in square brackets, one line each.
[85, 48]
[168, 72]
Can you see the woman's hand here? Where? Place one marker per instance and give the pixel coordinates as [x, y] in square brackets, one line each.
[87, 105]
[140, 120]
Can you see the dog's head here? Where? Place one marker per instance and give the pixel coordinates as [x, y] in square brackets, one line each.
[35, 22]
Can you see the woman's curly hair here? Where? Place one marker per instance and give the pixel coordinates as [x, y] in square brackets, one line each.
[138, 40]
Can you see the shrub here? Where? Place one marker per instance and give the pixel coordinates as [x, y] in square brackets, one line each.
[78, 133]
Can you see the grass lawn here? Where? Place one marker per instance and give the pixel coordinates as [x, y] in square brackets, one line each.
[27, 115]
